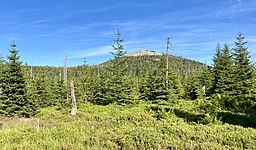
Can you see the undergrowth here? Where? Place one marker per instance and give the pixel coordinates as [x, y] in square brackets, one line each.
[141, 126]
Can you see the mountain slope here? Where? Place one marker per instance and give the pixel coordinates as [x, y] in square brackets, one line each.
[140, 61]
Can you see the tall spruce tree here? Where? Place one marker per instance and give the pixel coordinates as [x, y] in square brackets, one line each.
[120, 81]
[13, 98]
[216, 69]
[223, 82]
[243, 67]
[244, 75]
[118, 90]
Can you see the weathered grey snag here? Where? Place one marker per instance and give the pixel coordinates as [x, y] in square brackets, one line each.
[168, 46]
[37, 126]
[65, 70]
[73, 98]
[31, 71]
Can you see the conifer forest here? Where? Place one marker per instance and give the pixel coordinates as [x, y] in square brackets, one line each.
[131, 102]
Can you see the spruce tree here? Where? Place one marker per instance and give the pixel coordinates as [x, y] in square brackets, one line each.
[244, 74]
[118, 49]
[243, 67]
[43, 93]
[193, 86]
[112, 84]
[156, 86]
[217, 69]
[13, 98]
[223, 82]
[175, 88]
[101, 89]
[119, 89]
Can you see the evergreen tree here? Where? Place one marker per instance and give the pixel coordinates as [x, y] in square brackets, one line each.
[156, 86]
[217, 68]
[13, 98]
[144, 86]
[118, 49]
[58, 92]
[244, 73]
[195, 86]
[114, 85]
[223, 72]
[1, 65]
[175, 86]
[83, 84]
[101, 90]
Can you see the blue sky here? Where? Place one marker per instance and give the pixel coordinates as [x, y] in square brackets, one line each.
[44, 30]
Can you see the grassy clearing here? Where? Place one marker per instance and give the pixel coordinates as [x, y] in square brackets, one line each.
[142, 126]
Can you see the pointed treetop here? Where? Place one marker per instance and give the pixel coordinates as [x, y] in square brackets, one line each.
[118, 49]
[13, 45]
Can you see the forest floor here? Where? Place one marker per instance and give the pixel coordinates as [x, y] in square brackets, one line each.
[142, 126]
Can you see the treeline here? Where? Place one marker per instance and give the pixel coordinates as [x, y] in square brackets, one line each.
[228, 85]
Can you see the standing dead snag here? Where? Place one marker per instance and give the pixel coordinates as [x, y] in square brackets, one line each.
[65, 70]
[37, 125]
[73, 98]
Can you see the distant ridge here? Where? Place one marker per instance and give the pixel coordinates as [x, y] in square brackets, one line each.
[144, 52]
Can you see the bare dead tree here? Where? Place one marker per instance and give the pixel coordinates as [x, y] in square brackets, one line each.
[60, 75]
[168, 46]
[65, 70]
[73, 98]
[31, 71]
[37, 126]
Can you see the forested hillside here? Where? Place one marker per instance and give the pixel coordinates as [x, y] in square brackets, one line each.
[187, 93]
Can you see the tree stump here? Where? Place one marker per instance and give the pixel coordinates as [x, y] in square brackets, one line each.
[73, 98]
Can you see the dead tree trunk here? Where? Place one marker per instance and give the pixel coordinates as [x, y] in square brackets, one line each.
[73, 98]
[31, 71]
[169, 46]
[37, 125]
[65, 70]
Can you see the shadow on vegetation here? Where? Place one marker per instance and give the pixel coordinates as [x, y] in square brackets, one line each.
[189, 117]
[245, 120]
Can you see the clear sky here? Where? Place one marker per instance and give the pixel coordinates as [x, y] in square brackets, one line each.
[44, 30]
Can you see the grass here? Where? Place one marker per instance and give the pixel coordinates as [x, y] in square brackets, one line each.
[141, 126]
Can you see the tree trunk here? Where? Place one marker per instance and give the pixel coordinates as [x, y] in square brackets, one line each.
[65, 70]
[73, 98]
[37, 125]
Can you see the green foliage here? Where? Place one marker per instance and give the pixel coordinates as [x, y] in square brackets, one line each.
[119, 127]
[175, 87]
[155, 89]
[198, 85]
[115, 85]
[244, 72]
[223, 69]
[234, 77]
[118, 49]
[13, 97]
[138, 106]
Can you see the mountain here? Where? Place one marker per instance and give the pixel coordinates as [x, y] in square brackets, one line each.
[144, 52]
[140, 61]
